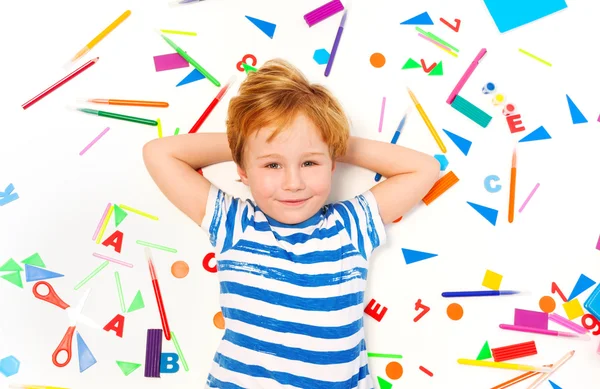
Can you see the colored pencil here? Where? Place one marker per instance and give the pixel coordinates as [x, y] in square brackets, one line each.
[480, 293]
[192, 62]
[118, 116]
[428, 123]
[465, 77]
[513, 185]
[394, 138]
[503, 365]
[212, 105]
[336, 43]
[159, 299]
[541, 379]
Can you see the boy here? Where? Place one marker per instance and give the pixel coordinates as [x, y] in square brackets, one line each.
[292, 270]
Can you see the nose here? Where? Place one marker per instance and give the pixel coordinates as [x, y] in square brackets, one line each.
[293, 180]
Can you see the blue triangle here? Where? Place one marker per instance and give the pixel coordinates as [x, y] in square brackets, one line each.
[194, 75]
[583, 284]
[419, 19]
[34, 273]
[490, 214]
[537, 134]
[576, 115]
[86, 358]
[554, 386]
[266, 27]
[463, 144]
[412, 256]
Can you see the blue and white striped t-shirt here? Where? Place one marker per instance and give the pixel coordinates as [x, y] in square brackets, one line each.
[292, 295]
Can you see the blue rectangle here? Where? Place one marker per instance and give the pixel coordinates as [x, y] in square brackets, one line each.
[592, 304]
[509, 14]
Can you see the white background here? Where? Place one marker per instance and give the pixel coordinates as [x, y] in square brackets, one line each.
[63, 195]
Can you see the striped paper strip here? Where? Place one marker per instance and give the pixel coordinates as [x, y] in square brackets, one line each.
[323, 12]
[514, 351]
[442, 185]
[153, 353]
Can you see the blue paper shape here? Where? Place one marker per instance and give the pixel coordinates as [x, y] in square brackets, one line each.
[539, 133]
[412, 256]
[592, 304]
[7, 196]
[490, 214]
[9, 366]
[34, 273]
[554, 386]
[442, 160]
[583, 284]
[509, 14]
[86, 358]
[168, 363]
[321, 56]
[487, 184]
[576, 115]
[266, 27]
[463, 144]
[423, 18]
[194, 75]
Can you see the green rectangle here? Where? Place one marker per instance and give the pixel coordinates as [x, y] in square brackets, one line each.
[472, 112]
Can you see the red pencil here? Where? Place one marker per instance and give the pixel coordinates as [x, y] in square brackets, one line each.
[211, 106]
[159, 300]
[60, 83]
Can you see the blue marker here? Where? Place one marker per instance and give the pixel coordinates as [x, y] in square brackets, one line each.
[394, 139]
[477, 293]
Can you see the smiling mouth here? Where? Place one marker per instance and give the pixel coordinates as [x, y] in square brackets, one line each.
[293, 202]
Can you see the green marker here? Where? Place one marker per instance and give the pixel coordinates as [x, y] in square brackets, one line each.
[191, 61]
[119, 116]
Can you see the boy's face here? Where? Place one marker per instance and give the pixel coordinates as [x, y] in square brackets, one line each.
[295, 166]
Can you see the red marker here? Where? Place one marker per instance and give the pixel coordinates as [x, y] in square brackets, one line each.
[159, 300]
[212, 105]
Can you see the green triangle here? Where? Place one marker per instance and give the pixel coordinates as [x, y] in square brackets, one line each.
[383, 384]
[411, 64]
[120, 215]
[438, 70]
[34, 260]
[128, 367]
[11, 265]
[137, 303]
[14, 278]
[485, 352]
[248, 68]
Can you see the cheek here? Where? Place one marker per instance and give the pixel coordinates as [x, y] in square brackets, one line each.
[266, 183]
[319, 181]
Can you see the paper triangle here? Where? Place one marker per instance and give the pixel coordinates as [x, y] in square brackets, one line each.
[249, 68]
[34, 273]
[554, 386]
[485, 352]
[419, 19]
[411, 64]
[537, 134]
[137, 303]
[383, 384]
[583, 284]
[34, 260]
[86, 358]
[438, 70]
[412, 256]
[266, 27]
[576, 115]
[490, 214]
[11, 265]
[14, 278]
[128, 367]
[463, 144]
[120, 215]
[194, 75]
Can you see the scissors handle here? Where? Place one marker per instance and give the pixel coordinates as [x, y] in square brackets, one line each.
[65, 345]
[51, 297]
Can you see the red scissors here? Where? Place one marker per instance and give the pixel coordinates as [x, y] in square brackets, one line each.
[74, 317]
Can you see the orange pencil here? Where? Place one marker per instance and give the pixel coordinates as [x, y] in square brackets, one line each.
[518, 379]
[513, 184]
[137, 103]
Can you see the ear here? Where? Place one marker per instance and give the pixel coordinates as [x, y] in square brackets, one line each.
[242, 175]
[333, 165]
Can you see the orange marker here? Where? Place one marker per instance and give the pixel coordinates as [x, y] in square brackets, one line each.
[513, 184]
[137, 103]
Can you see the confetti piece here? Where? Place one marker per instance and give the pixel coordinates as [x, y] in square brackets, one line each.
[419, 305]
[412, 256]
[547, 304]
[439, 45]
[115, 240]
[529, 197]
[14, 278]
[377, 60]
[120, 291]
[100, 223]
[531, 319]
[92, 274]
[117, 261]
[9, 366]
[394, 370]
[556, 289]
[419, 19]
[180, 269]
[539, 133]
[425, 68]
[194, 75]
[7, 196]
[383, 384]
[424, 370]
[219, 321]
[321, 56]
[155, 246]
[373, 308]
[104, 224]
[169, 62]
[323, 12]
[381, 114]
[179, 352]
[573, 309]
[442, 160]
[412, 64]
[159, 126]
[117, 324]
[120, 215]
[554, 386]
[378, 355]
[485, 352]
[471, 111]
[176, 32]
[438, 70]
[453, 28]
[520, 350]
[441, 186]
[583, 284]
[86, 358]
[138, 212]
[598, 244]
[436, 38]
[153, 351]
[176, 131]
[492, 280]
[206, 263]
[86, 148]
[490, 214]
[535, 57]
[34, 260]
[267, 28]
[464, 145]
[576, 115]
[33, 273]
[455, 311]
[509, 14]
[128, 367]
[137, 303]
[487, 183]
[10, 265]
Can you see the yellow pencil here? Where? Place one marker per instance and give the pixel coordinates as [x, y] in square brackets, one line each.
[434, 133]
[504, 365]
[100, 36]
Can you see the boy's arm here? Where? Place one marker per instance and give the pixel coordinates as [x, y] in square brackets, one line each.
[410, 174]
[173, 163]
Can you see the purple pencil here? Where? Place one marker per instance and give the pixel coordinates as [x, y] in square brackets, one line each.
[335, 44]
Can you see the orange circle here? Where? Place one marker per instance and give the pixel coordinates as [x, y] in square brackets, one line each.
[547, 304]
[377, 60]
[219, 321]
[394, 370]
[180, 269]
[455, 311]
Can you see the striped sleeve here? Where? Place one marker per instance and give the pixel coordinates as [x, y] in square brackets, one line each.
[360, 218]
[222, 218]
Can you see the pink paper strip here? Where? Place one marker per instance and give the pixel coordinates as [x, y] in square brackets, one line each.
[86, 148]
[323, 12]
[127, 264]
[101, 221]
[598, 244]
[529, 197]
[533, 319]
[169, 61]
[381, 115]
[598, 351]
[435, 43]
[558, 319]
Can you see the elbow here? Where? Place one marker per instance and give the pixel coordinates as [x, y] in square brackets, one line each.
[149, 151]
[432, 169]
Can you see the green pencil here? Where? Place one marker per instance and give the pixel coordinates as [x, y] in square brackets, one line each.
[191, 61]
[119, 116]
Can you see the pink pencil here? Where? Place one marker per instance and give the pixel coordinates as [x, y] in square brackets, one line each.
[542, 331]
[465, 77]
[101, 221]
[558, 319]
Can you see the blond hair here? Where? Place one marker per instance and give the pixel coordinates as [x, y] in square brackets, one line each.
[273, 96]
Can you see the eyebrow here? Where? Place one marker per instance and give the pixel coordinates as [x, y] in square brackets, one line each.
[280, 156]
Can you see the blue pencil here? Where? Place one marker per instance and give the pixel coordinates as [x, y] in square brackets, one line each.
[477, 293]
[336, 42]
[394, 139]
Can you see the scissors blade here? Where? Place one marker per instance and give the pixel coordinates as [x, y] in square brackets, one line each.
[87, 321]
[75, 313]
